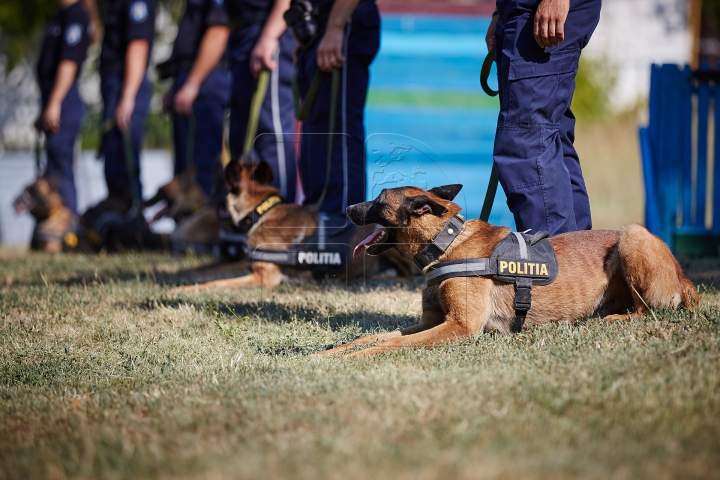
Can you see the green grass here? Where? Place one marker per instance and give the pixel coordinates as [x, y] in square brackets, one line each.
[434, 99]
[104, 372]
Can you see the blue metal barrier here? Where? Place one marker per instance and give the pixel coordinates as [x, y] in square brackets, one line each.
[682, 132]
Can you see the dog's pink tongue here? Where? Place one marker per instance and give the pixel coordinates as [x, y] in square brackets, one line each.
[367, 242]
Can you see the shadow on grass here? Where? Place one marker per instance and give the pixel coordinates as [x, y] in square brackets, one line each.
[279, 313]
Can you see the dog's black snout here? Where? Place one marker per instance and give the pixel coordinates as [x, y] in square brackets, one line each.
[358, 213]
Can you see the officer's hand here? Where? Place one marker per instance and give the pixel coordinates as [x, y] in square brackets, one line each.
[490, 35]
[185, 97]
[329, 50]
[123, 112]
[263, 55]
[51, 117]
[550, 19]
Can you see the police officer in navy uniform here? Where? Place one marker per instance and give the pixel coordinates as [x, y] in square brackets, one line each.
[125, 89]
[349, 39]
[261, 40]
[201, 87]
[538, 45]
[64, 49]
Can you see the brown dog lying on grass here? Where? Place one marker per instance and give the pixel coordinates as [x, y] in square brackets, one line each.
[282, 225]
[611, 274]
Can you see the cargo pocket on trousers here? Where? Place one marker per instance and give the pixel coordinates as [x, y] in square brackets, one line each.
[540, 88]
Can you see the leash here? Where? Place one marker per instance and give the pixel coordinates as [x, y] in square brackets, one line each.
[302, 108]
[255, 107]
[493, 183]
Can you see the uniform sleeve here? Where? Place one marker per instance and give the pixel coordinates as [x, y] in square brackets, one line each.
[75, 38]
[216, 14]
[140, 20]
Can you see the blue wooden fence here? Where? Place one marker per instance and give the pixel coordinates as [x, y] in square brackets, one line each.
[683, 129]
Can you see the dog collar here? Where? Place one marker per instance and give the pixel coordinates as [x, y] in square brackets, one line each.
[247, 222]
[440, 243]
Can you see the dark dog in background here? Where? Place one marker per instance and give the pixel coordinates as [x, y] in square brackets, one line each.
[614, 275]
[197, 226]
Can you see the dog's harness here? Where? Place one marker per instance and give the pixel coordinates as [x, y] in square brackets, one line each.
[248, 221]
[521, 259]
[327, 248]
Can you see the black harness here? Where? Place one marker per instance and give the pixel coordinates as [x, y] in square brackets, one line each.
[521, 259]
[326, 249]
[249, 220]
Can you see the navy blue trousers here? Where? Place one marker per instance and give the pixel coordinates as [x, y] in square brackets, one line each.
[207, 137]
[116, 172]
[275, 140]
[537, 164]
[347, 169]
[61, 146]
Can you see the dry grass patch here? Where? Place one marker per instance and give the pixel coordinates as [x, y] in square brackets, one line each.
[105, 373]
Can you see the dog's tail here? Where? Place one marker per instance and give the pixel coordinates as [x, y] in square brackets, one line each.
[688, 292]
[653, 272]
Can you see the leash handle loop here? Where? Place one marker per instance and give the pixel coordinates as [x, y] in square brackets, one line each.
[485, 73]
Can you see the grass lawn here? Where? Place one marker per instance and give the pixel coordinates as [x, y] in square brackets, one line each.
[104, 372]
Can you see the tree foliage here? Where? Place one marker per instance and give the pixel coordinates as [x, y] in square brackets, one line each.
[21, 23]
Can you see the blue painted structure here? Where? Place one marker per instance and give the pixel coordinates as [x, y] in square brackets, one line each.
[429, 144]
[675, 147]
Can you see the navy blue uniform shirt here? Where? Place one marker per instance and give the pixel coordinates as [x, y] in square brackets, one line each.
[125, 21]
[66, 38]
[236, 8]
[198, 16]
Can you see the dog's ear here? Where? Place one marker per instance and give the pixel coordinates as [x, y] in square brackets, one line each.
[263, 173]
[447, 192]
[423, 204]
[232, 176]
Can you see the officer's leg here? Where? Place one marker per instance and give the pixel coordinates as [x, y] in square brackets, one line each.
[528, 148]
[208, 110]
[362, 45]
[180, 128]
[347, 170]
[581, 202]
[61, 148]
[240, 45]
[116, 176]
[137, 128]
[275, 143]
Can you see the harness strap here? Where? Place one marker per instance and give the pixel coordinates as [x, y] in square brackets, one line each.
[471, 267]
[523, 299]
[440, 243]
